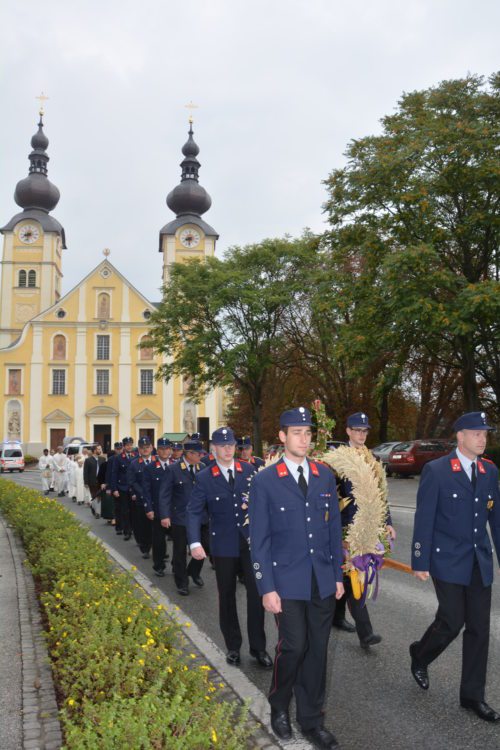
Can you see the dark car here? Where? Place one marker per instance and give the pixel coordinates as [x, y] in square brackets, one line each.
[382, 453]
[410, 458]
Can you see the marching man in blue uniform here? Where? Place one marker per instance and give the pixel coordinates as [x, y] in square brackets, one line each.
[457, 497]
[296, 548]
[245, 449]
[121, 488]
[141, 524]
[222, 489]
[172, 504]
[155, 478]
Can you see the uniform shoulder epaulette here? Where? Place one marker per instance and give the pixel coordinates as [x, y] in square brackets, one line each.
[488, 461]
[183, 465]
[480, 467]
[314, 468]
[282, 470]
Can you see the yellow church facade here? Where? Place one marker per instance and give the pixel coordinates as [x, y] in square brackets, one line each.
[75, 365]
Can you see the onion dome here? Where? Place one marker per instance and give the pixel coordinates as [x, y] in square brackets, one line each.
[189, 197]
[36, 191]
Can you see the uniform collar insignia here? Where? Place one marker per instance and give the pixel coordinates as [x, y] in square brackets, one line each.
[215, 471]
[197, 467]
[281, 469]
[314, 468]
[480, 467]
[158, 464]
[211, 457]
[141, 460]
[237, 466]
[124, 455]
[183, 465]
[455, 464]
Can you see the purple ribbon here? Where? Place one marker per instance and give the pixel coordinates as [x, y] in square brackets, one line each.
[368, 564]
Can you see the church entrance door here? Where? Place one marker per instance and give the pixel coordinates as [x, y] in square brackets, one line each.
[102, 435]
[56, 438]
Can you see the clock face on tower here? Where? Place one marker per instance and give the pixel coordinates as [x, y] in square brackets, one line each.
[28, 234]
[190, 237]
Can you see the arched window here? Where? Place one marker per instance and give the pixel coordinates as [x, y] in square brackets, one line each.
[22, 278]
[145, 352]
[31, 278]
[59, 347]
[103, 306]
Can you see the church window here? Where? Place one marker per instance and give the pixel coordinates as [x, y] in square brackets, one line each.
[102, 382]
[59, 347]
[31, 278]
[22, 278]
[146, 382]
[58, 382]
[103, 347]
[103, 306]
[14, 382]
[145, 352]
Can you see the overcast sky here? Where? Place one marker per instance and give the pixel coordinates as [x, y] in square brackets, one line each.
[281, 85]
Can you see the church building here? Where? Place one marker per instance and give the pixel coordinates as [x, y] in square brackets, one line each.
[72, 364]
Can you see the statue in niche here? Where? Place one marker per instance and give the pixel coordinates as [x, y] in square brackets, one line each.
[14, 424]
[189, 422]
[103, 310]
[59, 347]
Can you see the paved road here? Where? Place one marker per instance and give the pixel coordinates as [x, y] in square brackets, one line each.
[373, 701]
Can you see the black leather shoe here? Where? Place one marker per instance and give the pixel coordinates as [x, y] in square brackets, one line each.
[233, 657]
[370, 640]
[183, 591]
[418, 671]
[344, 625]
[198, 581]
[159, 572]
[262, 657]
[481, 709]
[145, 555]
[321, 738]
[126, 537]
[281, 725]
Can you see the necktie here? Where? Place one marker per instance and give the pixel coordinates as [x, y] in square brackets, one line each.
[231, 478]
[302, 480]
[191, 471]
[473, 477]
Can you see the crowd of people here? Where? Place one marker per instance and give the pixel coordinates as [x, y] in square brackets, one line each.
[212, 505]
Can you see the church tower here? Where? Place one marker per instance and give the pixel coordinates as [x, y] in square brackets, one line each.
[32, 247]
[188, 235]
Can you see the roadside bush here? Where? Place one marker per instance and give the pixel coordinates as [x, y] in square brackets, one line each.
[122, 675]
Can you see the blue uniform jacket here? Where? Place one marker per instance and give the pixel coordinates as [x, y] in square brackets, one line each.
[176, 491]
[119, 471]
[109, 468]
[153, 481]
[450, 521]
[135, 477]
[226, 513]
[292, 535]
[207, 459]
[344, 489]
[255, 461]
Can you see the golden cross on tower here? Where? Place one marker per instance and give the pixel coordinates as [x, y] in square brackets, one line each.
[42, 98]
[191, 106]
[106, 252]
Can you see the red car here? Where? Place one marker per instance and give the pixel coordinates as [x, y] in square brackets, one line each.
[410, 458]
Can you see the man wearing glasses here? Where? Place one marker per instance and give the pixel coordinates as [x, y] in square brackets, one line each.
[357, 431]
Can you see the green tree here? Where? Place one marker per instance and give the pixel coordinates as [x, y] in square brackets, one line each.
[429, 188]
[220, 321]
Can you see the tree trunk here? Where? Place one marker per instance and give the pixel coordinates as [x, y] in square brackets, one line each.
[471, 398]
[384, 414]
[257, 422]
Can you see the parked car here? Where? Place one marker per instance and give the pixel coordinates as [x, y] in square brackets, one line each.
[382, 453]
[410, 458]
[11, 456]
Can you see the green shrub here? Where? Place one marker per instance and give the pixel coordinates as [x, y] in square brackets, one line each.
[122, 673]
[28, 459]
[493, 453]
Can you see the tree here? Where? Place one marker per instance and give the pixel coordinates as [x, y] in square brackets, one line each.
[220, 321]
[429, 188]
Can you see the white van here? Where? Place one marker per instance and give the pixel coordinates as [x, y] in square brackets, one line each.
[74, 449]
[11, 456]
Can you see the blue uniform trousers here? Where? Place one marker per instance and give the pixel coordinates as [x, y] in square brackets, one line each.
[122, 512]
[301, 655]
[180, 569]
[458, 606]
[359, 613]
[226, 571]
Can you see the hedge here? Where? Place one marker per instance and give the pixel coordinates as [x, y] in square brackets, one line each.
[121, 671]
